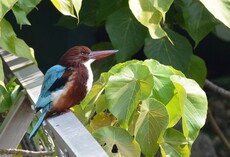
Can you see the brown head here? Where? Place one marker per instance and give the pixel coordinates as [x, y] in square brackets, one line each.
[80, 54]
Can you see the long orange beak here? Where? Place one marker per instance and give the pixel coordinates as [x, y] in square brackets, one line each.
[101, 54]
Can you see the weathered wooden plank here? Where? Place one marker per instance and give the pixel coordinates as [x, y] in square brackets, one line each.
[16, 123]
[71, 136]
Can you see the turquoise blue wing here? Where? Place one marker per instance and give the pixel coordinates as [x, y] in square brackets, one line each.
[52, 75]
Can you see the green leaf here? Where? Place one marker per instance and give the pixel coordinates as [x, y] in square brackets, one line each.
[222, 32]
[22, 8]
[150, 14]
[102, 119]
[20, 16]
[174, 144]
[126, 33]
[175, 105]
[126, 89]
[101, 104]
[197, 70]
[89, 12]
[5, 6]
[151, 123]
[198, 21]
[163, 86]
[177, 55]
[194, 110]
[5, 99]
[221, 10]
[1, 74]
[12, 44]
[118, 67]
[110, 137]
[95, 92]
[94, 14]
[68, 7]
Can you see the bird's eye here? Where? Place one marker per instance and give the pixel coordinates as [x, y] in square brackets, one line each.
[83, 53]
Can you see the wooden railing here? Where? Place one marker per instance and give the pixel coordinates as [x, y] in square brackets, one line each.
[69, 135]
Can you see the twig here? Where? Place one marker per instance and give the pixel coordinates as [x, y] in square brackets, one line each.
[218, 130]
[26, 152]
[222, 92]
[217, 89]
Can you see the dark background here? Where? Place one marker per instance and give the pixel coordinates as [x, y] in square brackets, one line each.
[50, 41]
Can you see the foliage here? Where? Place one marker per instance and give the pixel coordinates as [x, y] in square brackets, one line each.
[9, 40]
[138, 104]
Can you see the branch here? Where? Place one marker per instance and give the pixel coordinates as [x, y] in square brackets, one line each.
[217, 89]
[26, 152]
[218, 130]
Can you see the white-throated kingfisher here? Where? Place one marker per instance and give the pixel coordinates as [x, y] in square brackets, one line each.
[67, 83]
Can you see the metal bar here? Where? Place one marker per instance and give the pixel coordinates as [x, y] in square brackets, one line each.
[72, 137]
[16, 123]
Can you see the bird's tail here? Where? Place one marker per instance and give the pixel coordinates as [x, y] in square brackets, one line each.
[38, 124]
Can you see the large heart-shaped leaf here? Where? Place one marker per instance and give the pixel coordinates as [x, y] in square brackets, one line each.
[151, 123]
[177, 55]
[126, 33]
[111, 137]
[162, 83]
[194, 110]
[125, 90]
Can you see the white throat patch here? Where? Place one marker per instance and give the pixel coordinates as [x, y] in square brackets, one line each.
[90, 74]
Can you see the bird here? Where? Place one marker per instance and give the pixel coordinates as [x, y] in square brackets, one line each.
[67, 83]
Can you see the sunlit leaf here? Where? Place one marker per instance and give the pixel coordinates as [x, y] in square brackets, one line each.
[175, 105]
[110, 137]
[162, 83]
[125, 90]
[177, 55]
[126, 33]
[194, 111]
[5, 6]
[150, 14]
[151, 123]
[219, 9]
[68, 7]
[174, 144]
[13, 44]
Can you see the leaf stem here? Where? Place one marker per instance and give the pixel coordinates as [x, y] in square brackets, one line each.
[217, 89]
[26, 152]
[218, 130]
